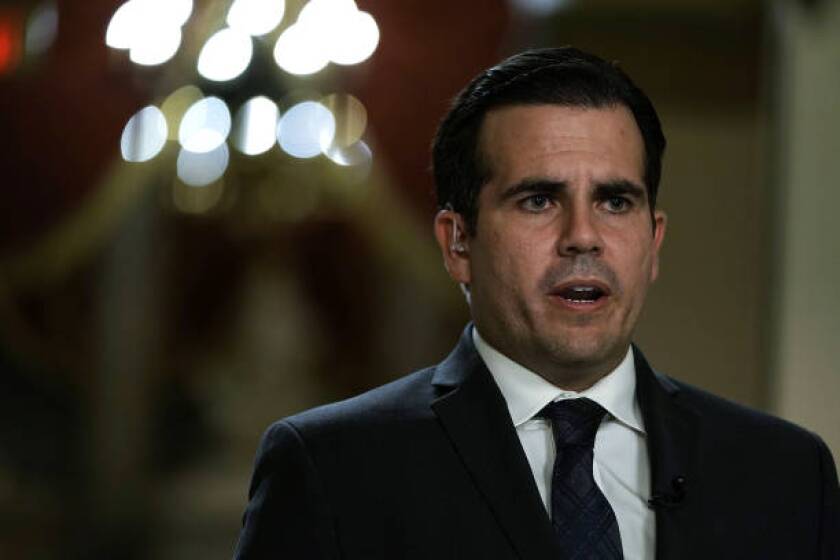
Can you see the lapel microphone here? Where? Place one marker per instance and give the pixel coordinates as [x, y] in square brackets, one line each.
[668, 500]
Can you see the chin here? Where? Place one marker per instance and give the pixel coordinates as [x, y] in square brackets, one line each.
[585, 351]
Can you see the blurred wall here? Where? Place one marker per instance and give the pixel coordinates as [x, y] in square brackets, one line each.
[807, 262]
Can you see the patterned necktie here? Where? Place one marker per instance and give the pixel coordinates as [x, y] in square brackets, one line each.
[582, 517]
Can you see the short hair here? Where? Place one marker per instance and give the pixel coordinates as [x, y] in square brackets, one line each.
[563, 76]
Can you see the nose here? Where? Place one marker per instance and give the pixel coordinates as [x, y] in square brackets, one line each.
[579, 232]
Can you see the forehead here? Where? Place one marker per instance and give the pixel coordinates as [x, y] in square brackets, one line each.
[553, 140]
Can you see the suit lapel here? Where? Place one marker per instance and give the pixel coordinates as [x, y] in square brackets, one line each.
[475, 417]
[673, 434]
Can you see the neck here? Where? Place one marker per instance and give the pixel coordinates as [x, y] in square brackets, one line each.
[573, 376]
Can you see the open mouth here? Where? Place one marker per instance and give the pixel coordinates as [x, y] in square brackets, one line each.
[581, 293]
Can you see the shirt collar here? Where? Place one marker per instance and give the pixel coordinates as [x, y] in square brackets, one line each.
[526, 393]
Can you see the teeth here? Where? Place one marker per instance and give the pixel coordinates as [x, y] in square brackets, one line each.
[582, 293]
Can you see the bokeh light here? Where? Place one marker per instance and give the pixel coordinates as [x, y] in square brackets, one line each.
[306, 130]
[41, 29]
[170, 12]
[201, 169]
[357, 41]
[123, 26]
[11, 40]
[325, 13]
[205, 125]
[541, 8]
[149, 29]
[225, 55]
[350, 118]
[353, 155]
[255, 126]
[153, 48]
[176, 105]
[300, 51]
[326, 31]
[256, 17]
[144, 135]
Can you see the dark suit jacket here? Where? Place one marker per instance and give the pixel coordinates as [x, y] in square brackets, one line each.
[430, 467]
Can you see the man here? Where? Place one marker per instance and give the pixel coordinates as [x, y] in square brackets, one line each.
[545, 434]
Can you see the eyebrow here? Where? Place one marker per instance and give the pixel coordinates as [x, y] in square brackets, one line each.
[620, 187]
[606, 189]
[530, 185]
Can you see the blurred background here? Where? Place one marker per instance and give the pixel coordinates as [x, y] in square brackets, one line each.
[218, 213]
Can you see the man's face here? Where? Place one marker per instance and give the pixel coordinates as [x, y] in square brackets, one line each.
[564, 249]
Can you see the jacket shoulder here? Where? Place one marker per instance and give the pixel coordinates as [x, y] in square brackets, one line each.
[731, 420]
[402, 400]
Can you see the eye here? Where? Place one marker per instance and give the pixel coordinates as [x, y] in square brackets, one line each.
[617, 204]
[536, 202]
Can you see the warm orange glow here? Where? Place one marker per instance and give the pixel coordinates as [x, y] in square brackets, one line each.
[11, 39]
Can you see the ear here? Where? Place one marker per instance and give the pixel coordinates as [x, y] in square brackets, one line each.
[660, 220]
[454, 245]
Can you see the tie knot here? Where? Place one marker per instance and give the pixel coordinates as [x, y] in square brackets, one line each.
[574, 421]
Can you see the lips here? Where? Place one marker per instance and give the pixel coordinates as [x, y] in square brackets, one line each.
[581, 292]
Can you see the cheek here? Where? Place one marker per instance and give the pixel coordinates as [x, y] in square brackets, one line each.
[518, 256]
[634, 261]
[506, 264]
[513, 255]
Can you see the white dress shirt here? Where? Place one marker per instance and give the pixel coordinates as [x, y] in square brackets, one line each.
[621, 468]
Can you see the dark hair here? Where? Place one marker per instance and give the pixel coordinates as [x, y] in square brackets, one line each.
[559, 76]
